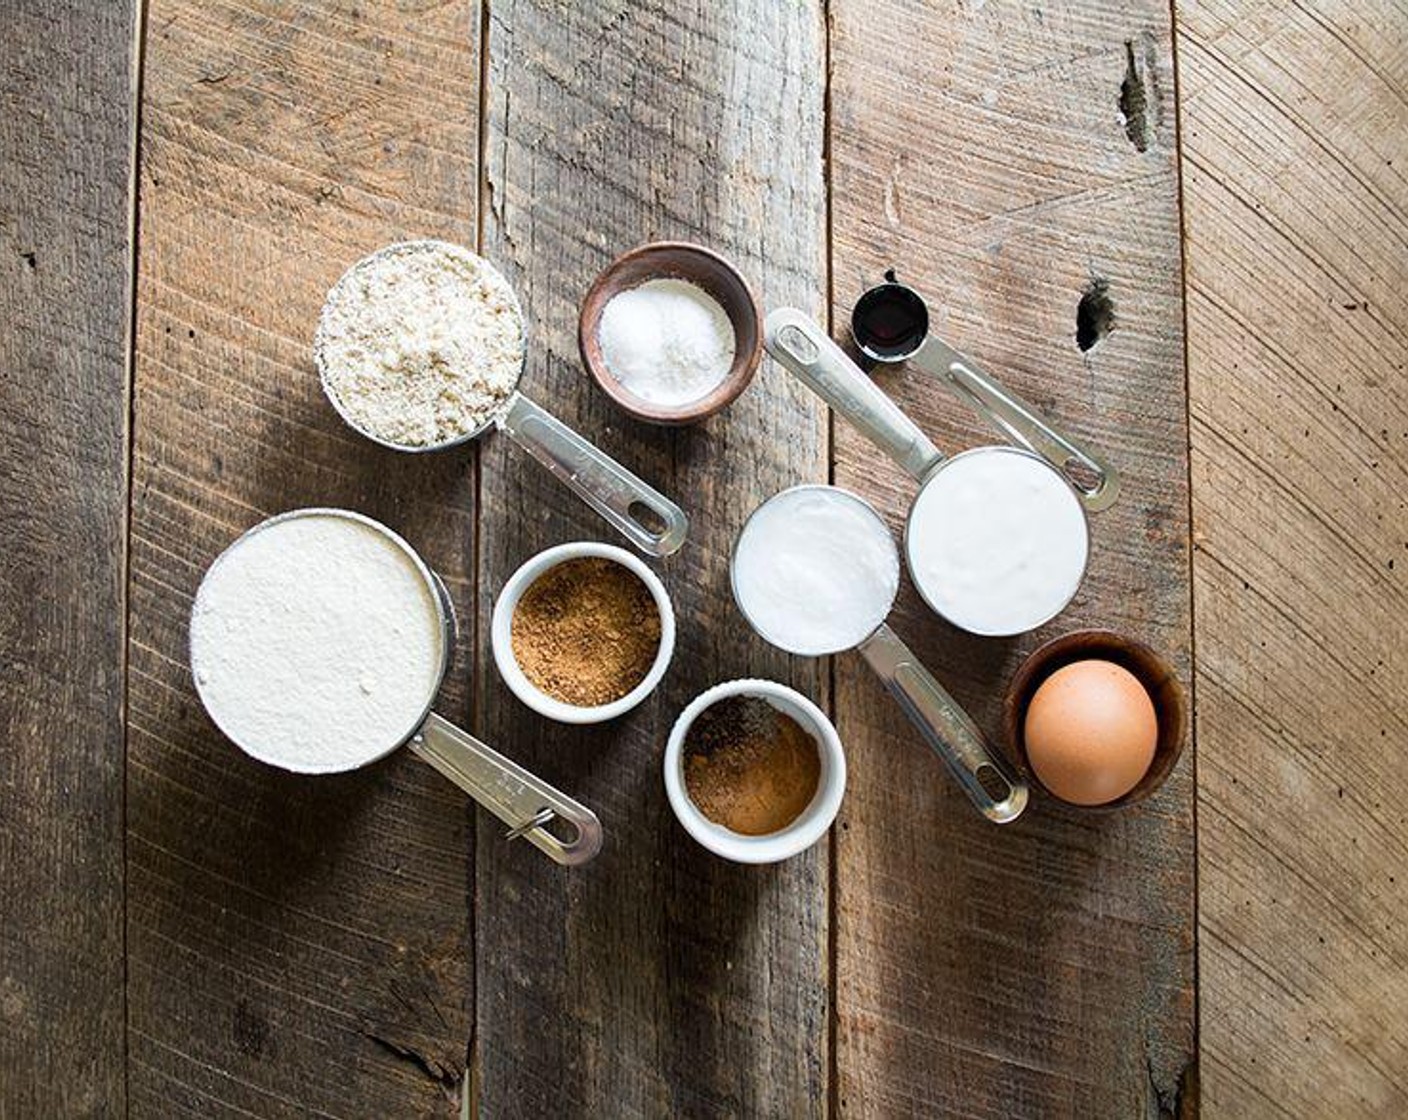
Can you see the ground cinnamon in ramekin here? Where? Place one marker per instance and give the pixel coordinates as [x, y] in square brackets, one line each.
[586, 631]
[750, 767]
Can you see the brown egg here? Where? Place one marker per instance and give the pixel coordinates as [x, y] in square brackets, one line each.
[1090, 732]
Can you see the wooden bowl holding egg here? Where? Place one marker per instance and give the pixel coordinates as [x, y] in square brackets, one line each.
[1149, 741]
[706, 272]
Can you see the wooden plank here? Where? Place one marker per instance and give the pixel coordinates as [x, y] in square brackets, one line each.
[1045, 968]
[298, 946]
[66, 112]
[1296, 137]
[659, 980]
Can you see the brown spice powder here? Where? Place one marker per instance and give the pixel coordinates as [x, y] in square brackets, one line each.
[750, 767]
[586, 631]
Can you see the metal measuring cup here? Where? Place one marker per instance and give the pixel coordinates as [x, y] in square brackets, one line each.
[648, 519]
[949, 731]
[890, 324]
[523, 801]
[799, 344]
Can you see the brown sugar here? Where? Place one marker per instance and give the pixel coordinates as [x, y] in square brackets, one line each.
[586, 631]
[750, 767]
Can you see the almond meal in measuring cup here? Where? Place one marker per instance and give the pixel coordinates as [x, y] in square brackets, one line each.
[420, 343]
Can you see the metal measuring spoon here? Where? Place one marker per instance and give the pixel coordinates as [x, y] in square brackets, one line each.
[948, 730]
[648, 519]
[520, 799]
[890, 324]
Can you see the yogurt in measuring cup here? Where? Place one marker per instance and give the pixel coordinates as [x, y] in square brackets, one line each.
[997, 542]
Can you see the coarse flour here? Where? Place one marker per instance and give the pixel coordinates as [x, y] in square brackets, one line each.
[420, 343]
[316, 643]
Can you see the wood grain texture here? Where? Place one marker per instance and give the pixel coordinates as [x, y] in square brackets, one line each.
[297, 945]
[659, 980]
[1295, 155]
[303, 946]
[1045, 968]
[66, 117]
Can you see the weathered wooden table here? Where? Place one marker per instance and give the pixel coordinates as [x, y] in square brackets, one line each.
[187, 932]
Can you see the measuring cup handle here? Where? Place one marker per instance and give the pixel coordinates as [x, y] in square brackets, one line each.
[507, 790]
[1095, 483]
[798, 343]
[946, 727]
[649, 520]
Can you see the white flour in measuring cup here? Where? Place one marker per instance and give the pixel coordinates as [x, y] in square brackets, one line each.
[997, 542]
[316, 642]
[815, 570]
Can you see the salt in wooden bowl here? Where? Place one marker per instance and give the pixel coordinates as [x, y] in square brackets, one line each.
[704, 268]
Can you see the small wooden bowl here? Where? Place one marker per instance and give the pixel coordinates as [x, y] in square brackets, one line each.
[678, 260]
[1152, 671]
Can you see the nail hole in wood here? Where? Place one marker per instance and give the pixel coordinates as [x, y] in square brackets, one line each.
[1134, 103]
[1095, 314]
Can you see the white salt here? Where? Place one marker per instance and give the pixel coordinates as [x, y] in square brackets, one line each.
[316, 643]
[667, 342]
[815, 570]
[997, 542]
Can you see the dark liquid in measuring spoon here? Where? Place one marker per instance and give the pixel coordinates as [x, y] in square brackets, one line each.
[889, 322]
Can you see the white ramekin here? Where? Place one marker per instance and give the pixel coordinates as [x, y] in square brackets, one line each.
[501, 633]
[815, 819]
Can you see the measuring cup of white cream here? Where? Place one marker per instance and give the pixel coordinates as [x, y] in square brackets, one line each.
[815, 571]
[421, 346]
[318, 642]
[997, 540]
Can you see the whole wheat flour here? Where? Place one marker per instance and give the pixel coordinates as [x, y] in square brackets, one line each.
[420, 343]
